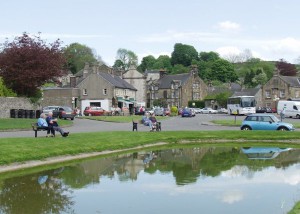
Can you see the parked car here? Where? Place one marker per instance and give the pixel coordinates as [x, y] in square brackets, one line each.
[47, 109]
[64, 112]
[167, 111]
[93, 111]
[264, 110]
[208, 111]
[265, 121]
[222, 111]
[159, 111]
[197, 110]
[186, 112]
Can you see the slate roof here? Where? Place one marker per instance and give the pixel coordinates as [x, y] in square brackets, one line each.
[293, 81]
[165, 81]
[247, 92]
[116, 81]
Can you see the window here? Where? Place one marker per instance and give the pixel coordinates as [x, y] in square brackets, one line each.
[282, 93]
[84, 91]
[105, 91]
[296, 93]
[268, 94]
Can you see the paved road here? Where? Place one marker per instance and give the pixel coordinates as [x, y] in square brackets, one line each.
[200, 122]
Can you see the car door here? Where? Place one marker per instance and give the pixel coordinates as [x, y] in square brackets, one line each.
[266, 123]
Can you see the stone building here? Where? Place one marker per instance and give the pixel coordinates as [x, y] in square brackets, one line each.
[280, 88]
[176, 90]
[138, 81]
[93, 86]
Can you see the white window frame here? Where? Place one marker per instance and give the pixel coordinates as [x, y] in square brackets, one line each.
[282, 93]
[84, 91]
[268, 94]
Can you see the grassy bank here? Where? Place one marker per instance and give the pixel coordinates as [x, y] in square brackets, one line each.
[120, 119]
[24, 149]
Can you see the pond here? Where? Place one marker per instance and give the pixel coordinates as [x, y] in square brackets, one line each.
[180, 180]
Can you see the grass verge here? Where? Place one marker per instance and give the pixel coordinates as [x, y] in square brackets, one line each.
[120, 119]
[25, 149]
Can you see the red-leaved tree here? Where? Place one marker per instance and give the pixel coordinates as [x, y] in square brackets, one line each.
[27, 63]
[285, 68]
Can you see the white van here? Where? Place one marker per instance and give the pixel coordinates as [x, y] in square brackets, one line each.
[292, 108]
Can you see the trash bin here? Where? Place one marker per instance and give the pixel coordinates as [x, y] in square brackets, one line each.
[21, 113]
[32, 114]
[27, 113]
[13, 113]
[37, 113]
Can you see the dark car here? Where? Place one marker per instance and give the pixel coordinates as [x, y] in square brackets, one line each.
[93, 111]
[186, 112]
[64, 112]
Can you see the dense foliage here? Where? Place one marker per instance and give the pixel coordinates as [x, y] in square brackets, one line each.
[125, 59]
[27, 63]
[286, 69]
[77, 55]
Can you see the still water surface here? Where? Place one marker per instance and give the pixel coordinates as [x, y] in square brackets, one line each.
[190, 180]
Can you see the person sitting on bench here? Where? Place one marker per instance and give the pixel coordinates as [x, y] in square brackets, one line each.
[152, 122]
[42, 123]
[53, 124]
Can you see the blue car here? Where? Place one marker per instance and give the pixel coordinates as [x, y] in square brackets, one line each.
[263, 152]
[265, 122]
[186, 113]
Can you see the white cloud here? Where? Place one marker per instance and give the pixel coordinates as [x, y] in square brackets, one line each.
[232, 196]
[228, 25]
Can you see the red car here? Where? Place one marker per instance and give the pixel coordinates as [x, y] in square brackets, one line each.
[93, 111]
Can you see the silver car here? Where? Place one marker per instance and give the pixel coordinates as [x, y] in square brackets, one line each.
[159, 111]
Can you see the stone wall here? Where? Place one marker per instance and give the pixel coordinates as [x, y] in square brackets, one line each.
[8, 103]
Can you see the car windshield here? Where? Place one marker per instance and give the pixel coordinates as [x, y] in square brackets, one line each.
[67, 109]
[275, 119]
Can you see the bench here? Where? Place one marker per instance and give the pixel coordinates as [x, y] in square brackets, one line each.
[36, 128]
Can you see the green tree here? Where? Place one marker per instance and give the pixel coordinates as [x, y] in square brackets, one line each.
[208, 56]
[222, 98]
[147, 63]
[125, 58]
[178, 69]
[183, 54]
[4, 91]
[77, 55]
[27, 63]
[163, 62]
[223, 71]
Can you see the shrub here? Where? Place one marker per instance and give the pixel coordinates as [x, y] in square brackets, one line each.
[174, 111]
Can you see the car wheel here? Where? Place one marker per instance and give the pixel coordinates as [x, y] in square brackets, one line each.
[282, 129]
[72, 118]
[298, 116]
[245, 128]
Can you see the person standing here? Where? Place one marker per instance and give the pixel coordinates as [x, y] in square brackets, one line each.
[282, 114]
[53, 123]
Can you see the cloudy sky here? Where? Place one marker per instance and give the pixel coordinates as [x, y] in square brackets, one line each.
[268, 28]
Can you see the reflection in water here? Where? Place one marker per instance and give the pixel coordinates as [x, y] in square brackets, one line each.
[200, 180]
